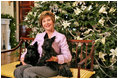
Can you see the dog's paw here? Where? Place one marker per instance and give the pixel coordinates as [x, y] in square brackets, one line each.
[69, 73]
[66, 73]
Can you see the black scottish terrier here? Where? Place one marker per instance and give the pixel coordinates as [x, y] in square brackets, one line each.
[48, 52]
[32, 54]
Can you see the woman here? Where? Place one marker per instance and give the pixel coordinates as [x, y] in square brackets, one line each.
[47, 20]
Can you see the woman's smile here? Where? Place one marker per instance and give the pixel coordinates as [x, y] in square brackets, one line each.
[47, 25]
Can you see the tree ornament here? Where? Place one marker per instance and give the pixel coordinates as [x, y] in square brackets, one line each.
[66, 17]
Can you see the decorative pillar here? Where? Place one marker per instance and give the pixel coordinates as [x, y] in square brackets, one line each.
[5, 34]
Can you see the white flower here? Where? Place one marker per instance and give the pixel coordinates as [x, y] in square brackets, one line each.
[34, 29]
[113, 60]
[103, 10]
[112, 10]
[105, 34]
[74, 50]
[83, 7]
[75, 4]
[76, 23]
[66, 23]
[35, 13]
[78, 38]
[97, 40]
[101, 55]
[64, 11]
[101, 21]
[39, 15]
[77, 11]
[56, 17]
[43, 2]
[26, 18]
[80, 2]
[87, 31]
[29, 21]
[36, 3]
[103, 40]
[113, 52]
[90, 7]
[29, 13]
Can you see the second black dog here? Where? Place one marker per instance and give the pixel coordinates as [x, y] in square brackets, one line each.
[48, 52]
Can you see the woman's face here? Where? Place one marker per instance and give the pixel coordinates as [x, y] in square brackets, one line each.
[47, 23]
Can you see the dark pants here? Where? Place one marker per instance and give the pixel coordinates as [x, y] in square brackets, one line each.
[28, 71]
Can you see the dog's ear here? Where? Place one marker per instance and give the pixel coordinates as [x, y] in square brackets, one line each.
[53, 38]
[46, 36]
[26, 44]
[36, 44]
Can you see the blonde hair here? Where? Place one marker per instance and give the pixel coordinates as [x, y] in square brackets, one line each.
[46, 13]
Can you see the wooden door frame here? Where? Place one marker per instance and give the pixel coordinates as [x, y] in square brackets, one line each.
[17, 20]
[23, 9]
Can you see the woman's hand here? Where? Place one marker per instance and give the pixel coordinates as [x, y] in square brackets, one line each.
[22, 60]
[53, 58]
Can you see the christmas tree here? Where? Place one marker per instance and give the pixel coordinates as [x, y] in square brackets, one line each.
[94, 20]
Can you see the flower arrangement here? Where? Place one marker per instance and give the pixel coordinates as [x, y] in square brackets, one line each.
[95, 20]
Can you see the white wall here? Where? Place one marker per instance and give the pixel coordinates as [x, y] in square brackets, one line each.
[7, 7]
